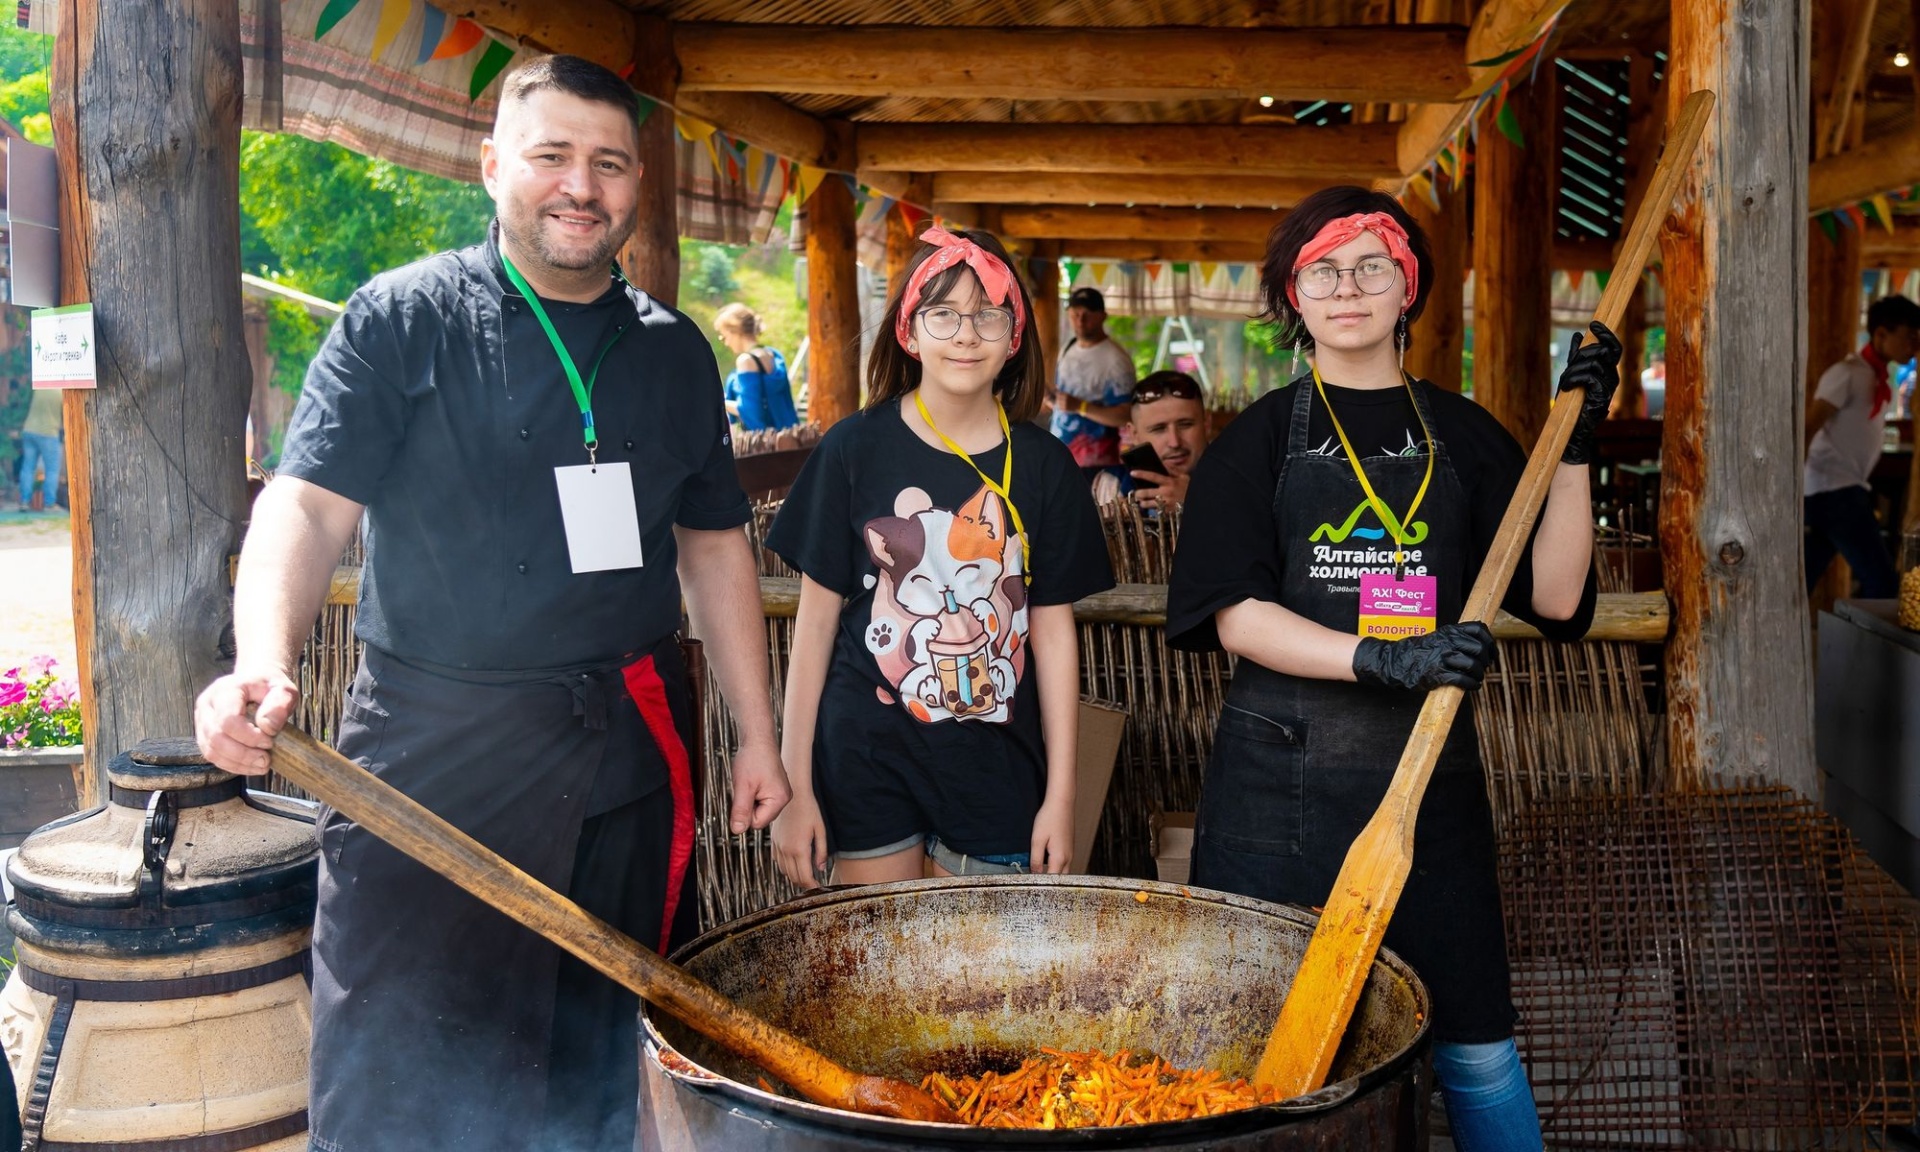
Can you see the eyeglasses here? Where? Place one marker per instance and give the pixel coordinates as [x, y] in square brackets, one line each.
[1321, 279]
[1161, 385]
[990, 324]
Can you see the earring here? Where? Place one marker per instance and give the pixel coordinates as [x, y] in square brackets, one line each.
[1402, 341]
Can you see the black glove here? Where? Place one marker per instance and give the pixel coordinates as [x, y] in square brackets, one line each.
[1595, 366]
[1453, 655]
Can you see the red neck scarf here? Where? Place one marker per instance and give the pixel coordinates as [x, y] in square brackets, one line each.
[996, 281]
[1882, 391]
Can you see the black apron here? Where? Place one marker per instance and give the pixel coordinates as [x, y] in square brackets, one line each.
[436, 1019]
[1299, 766]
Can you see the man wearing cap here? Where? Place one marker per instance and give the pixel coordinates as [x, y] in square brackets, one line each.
[1092, 386]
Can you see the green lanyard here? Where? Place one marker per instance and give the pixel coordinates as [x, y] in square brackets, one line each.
[582, 390]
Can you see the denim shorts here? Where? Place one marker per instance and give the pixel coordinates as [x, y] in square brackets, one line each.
[958, 863]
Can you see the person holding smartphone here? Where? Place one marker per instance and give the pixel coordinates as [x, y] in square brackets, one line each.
[1167, 430]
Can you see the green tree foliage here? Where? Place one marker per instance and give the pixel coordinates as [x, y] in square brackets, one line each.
[325, 220]
[24, 100]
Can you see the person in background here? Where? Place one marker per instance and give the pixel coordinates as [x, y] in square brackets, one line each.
[40, 447]
[1846, 430]
[1170, 417]
[1094, 378]
[759, 395]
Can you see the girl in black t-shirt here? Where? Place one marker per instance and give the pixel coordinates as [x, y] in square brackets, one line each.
[933, 688]
[1330, 538]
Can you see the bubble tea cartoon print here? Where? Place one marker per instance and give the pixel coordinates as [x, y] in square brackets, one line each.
[949, 626]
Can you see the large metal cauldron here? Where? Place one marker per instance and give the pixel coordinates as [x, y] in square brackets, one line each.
[972, 972]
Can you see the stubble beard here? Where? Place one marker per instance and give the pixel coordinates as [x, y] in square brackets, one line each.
[525, 227]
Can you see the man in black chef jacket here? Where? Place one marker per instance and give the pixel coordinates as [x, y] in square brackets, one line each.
[541, 458]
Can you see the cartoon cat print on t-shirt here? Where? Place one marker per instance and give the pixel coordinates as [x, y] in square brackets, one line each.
[949, 626]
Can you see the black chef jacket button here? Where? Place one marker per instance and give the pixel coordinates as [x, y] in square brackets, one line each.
[514, 308]
[523, 434]
[629, 445]
[523, 569]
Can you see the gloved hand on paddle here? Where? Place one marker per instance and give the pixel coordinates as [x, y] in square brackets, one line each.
[1593, 365]
[1453, 655]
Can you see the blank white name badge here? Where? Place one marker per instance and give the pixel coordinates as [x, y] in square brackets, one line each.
[603, 526]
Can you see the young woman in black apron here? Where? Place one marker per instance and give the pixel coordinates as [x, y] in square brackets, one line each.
[1331, 535]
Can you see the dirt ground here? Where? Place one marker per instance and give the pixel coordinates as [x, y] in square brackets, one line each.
[36, 590]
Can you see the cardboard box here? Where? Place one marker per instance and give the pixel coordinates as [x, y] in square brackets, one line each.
[1101, 726]
[1173, 846]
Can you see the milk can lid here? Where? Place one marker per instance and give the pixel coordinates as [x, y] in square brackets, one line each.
[172, 764]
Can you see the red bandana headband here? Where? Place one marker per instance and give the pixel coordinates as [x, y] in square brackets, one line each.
[1342, 231]
[996, 280]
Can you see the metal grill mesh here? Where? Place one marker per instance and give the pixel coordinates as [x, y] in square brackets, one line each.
[1715, 970]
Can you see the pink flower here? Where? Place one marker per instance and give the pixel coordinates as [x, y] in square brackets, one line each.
[14, 738]
[59, 694]
[41, 666]
[12, 692]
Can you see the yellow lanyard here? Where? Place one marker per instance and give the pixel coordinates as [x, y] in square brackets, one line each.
[1004, 489]
[1353, 459]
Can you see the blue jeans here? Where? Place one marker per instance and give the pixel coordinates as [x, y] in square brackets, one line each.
[47, 451]
[1489, 1102]
[1842, 521]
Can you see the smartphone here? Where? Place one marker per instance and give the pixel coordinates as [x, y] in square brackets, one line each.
[1142, 458]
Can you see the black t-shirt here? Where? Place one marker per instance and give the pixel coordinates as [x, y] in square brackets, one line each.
[934, 631]
[1230, 547]
[438, 402]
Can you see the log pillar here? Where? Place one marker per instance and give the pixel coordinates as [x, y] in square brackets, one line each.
[149, 233]
[1513, 276]
[1439, 336]
[1045, 265]
[903, 233]
[1735, 252]
[651, 257]
[1833, 322]
[833, 305]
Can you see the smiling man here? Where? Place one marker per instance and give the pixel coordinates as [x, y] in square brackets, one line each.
[541, 459]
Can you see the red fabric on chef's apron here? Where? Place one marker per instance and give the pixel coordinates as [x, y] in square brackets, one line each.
[434, 1014]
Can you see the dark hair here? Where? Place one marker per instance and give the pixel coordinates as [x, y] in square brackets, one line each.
[891, 372]
[1303, 224]
[1892, 312]
[1164, 383]
[575, 77]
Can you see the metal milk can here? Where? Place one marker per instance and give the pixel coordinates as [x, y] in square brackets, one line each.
[161, 992]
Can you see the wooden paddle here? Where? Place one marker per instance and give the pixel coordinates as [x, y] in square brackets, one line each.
[389, 814]
[1314, 1018]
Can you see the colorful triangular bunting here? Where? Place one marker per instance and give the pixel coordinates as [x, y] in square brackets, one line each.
[492, 62]
[393, 17]
[332, 14]
[1073, 270]
[461, 39]
[433, 25]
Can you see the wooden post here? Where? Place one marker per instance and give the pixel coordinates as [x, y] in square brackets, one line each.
[149, 233]
[1045, 289]
[1513, 278]
[833, 305]
[1630, 402]
[903, 237]
[1735, 251]
[651, 258]
[1439, 336]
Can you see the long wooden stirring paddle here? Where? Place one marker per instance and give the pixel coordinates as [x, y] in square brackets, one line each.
[391, 815]
[1301, 1048]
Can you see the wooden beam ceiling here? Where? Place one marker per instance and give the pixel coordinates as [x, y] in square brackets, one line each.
[1501, 28]
[1069, 222]
[1106, 188]
[1358, 152]
[1865, 171]
[1225, 251]
[1406, 63]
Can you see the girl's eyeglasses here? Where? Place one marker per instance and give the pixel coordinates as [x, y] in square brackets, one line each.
[990, 324]
[1321, 279]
